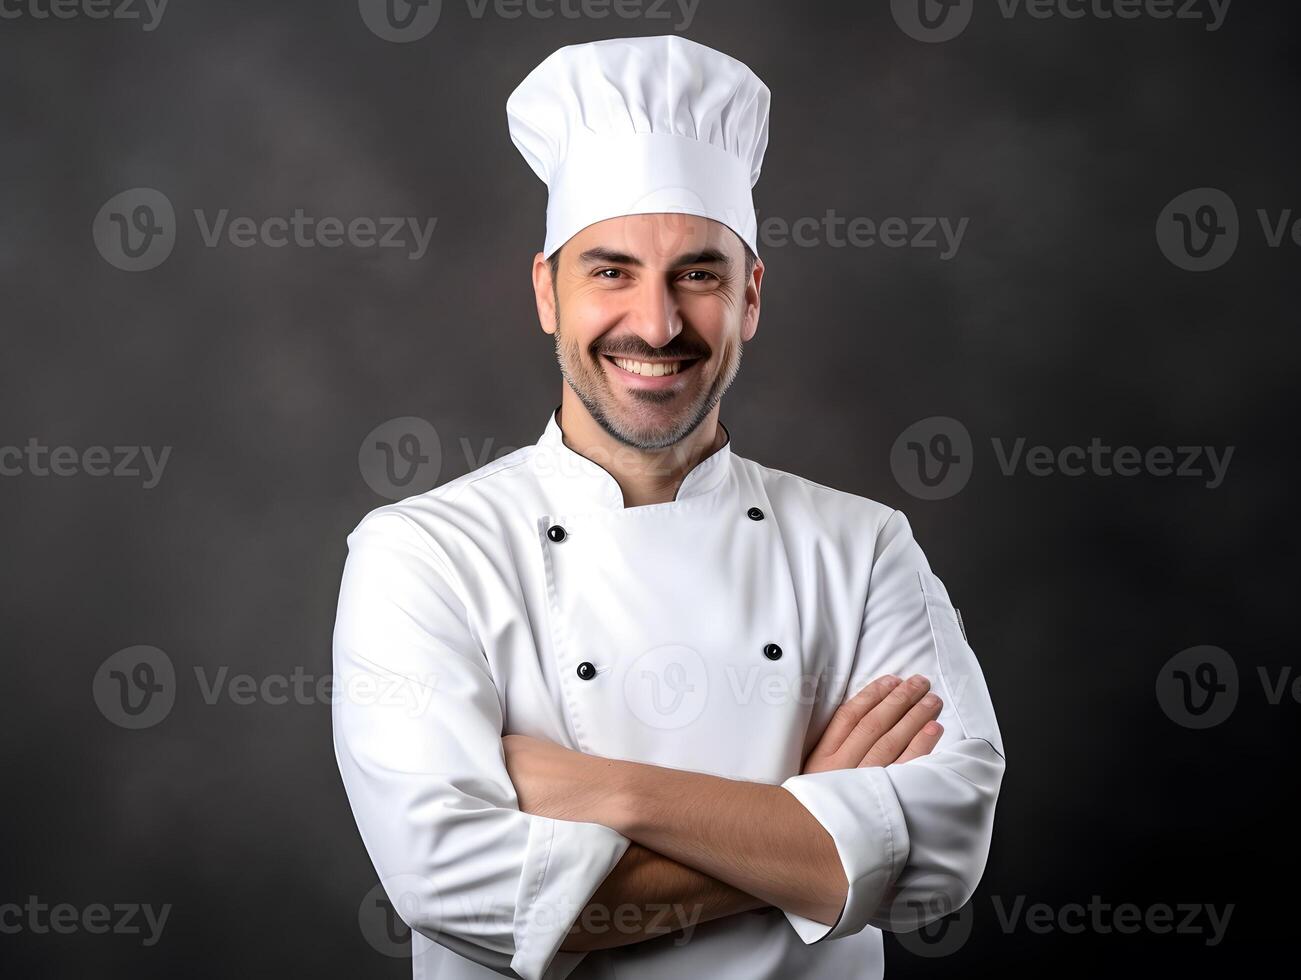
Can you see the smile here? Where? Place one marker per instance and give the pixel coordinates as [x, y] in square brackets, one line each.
[649, 369]
[651, 375]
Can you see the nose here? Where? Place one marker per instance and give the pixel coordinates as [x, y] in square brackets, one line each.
[655, 316]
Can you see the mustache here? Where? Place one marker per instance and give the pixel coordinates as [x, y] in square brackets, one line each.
[645, 353]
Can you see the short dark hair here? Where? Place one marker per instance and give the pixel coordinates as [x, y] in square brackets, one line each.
[750, 260]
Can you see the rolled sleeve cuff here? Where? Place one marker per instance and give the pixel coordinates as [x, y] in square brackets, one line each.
[565, 863]
[859, 809]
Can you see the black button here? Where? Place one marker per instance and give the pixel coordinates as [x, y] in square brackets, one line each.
[586, 671]
[556, 533]
[754, 513]
[772, 651]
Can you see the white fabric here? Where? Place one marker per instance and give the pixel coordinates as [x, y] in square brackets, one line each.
[461, 592]
[642, 125]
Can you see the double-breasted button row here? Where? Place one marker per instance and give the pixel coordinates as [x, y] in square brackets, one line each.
[587, 670]
[557, 533]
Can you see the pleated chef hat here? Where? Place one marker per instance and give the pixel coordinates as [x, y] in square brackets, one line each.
[641, 125]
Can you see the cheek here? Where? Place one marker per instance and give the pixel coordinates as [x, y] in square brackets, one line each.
[713, 317]
[588, 315]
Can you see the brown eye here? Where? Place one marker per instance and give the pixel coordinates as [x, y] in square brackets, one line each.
[613, 273]
[705, 276]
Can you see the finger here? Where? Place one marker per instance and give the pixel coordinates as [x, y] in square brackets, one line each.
[881, 719]
[923, 742]
[851, 713]
[893, 743]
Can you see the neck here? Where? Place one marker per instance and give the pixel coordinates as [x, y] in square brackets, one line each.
[644, 476]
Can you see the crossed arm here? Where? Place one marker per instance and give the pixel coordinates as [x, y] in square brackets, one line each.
[707, 847]
[468, 855]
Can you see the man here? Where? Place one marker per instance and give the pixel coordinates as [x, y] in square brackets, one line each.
[680, 714]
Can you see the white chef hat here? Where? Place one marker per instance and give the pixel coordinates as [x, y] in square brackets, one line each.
[642, 125]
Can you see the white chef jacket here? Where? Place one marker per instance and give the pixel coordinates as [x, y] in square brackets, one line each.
[717, 632]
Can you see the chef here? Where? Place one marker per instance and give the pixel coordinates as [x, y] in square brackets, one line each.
[671, 713]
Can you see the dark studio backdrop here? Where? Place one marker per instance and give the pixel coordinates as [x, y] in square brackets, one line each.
[1002, 243]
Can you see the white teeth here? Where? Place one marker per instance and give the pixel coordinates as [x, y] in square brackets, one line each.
[649, 369]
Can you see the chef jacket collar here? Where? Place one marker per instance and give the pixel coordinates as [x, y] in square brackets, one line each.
[575, 479]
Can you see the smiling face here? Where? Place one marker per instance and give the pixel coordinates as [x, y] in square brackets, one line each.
[649, 313]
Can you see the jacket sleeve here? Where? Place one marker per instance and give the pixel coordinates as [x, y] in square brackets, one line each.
[417, 735]
[913, 838]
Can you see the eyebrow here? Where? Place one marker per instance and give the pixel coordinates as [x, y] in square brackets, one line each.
[705, 256]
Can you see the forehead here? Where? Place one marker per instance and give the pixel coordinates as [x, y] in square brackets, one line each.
[656, 238]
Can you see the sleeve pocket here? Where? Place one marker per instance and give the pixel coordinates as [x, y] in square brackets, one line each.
[968, 694]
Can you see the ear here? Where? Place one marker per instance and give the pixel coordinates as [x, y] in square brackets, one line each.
[750, 323]
[544, 293]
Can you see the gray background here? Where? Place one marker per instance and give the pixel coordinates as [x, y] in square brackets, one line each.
[1058, 320]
